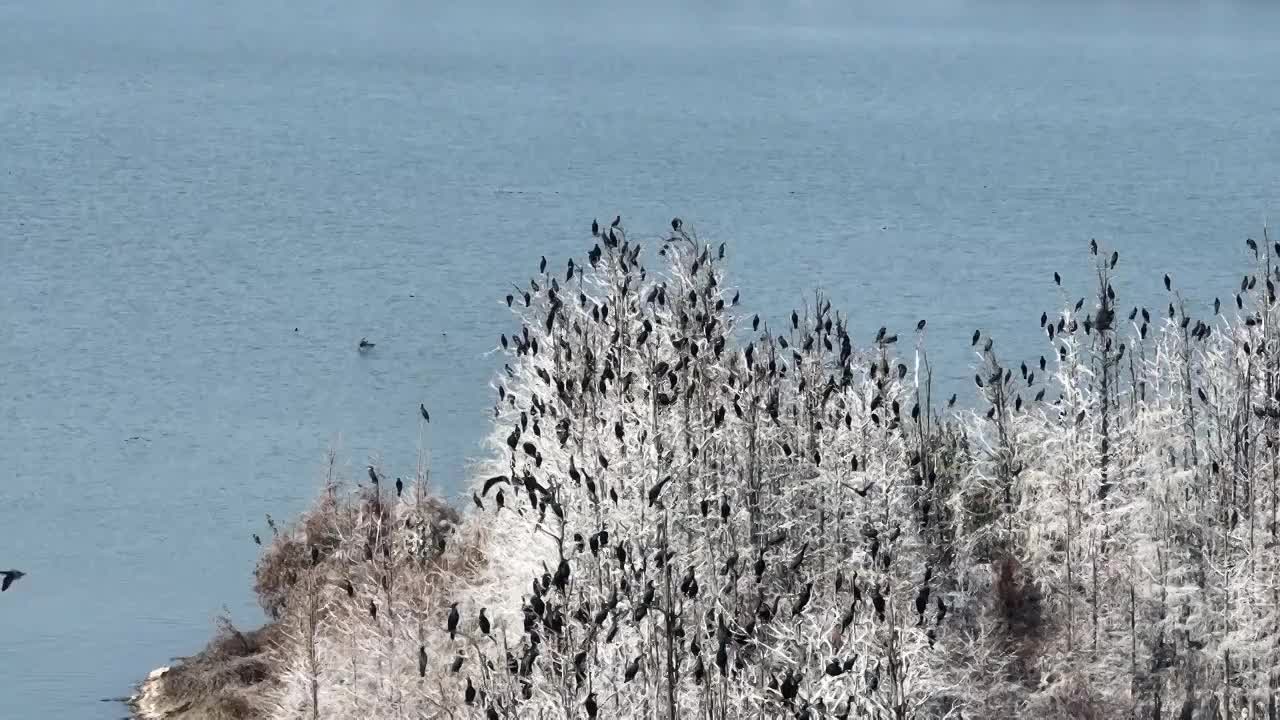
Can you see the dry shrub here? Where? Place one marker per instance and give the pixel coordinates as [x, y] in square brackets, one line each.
[230, 678]
[1072, 696]
[225, 680]
[288, 557]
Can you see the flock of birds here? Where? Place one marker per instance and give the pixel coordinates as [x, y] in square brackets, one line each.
[550, 605]
[632, 587]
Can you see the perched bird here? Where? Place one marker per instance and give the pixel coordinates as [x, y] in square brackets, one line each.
[922, 602]
[483, 622]
[453, 620]
[373, 475]
[399, 487]
[595, 228]
[423, 408]
[675, 224]
[470, 695]
[422, 661]
[590, 706]
[633, 667]
[803, 600]
[656, 491]
[9, 577]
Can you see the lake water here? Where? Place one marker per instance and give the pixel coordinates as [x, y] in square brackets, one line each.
[182, 184]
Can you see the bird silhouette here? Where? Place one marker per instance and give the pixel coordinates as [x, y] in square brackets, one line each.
[423, 408]
[483, 622]
[656, 491]
[452, 623]
[422, 661]
[365, 345]
[9, 577]
[803, 600]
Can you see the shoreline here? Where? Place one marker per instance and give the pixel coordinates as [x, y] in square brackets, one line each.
[149, 700]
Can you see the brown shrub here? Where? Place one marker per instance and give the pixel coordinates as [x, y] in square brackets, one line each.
[225, 680]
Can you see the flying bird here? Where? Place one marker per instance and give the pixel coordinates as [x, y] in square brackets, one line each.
[365, 344]
[9, 578]
[488, 484]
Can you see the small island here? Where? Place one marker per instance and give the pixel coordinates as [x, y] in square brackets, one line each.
[690, 507]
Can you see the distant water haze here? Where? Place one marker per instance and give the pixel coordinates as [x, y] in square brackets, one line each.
[184, 184]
